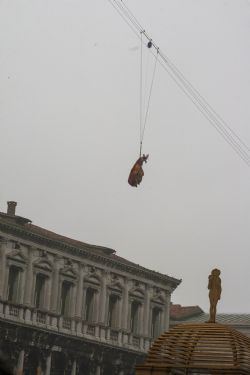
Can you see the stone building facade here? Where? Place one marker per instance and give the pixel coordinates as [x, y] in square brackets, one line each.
[194, 314]
[67, 307]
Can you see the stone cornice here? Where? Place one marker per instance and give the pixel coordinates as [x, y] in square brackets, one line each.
[90, 254]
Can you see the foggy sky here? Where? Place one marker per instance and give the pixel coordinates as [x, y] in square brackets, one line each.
[69, 118]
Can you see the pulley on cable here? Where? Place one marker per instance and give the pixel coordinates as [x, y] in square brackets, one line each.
[137, 173]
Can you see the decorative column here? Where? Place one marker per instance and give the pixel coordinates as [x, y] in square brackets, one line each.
[166, 312]
[48, 365]
[28, 285]
[141, 325]
[55, 291]
[55, 286]
[103, 305]
[79, 293]
[125, 309]
[98, 370]
[48, 291]
[119, 320]
[2, 271]
[73, 370]
[146, 311]
[79, 299]
[19, 370]
[2, 266]
[73, 307]
[96, 312]
[21, 291]
[125, 305]
[103, 298]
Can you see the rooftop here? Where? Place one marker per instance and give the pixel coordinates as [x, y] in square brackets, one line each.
[194, 314]
[23, 228]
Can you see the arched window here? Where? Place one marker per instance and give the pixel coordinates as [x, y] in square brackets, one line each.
[113, 311]
[156, 322]
[66, 298]
[14, 284]
[135, 316]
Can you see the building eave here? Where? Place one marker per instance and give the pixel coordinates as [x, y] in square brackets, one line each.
[91, 252]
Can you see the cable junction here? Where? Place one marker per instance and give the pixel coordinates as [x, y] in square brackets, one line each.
[220, 125]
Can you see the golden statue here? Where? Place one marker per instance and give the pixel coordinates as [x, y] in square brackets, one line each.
[214, 286]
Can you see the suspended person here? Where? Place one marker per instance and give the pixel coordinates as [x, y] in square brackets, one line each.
[136, 173]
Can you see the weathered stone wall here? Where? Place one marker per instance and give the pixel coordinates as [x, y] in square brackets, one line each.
[80, 311]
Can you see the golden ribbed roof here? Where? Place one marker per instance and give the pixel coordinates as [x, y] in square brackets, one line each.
[208, 348]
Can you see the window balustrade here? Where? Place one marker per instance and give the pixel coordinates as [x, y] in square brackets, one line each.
[91, 329]
[114, 335]
[66, 323]
[136, 341]
[13, 310]
[41, 317]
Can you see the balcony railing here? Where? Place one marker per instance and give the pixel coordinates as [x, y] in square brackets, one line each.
[113, 335]
[72, 326]
[13, 310]
[41, 317]
[91, 329]
[136, 341]
[66, 323]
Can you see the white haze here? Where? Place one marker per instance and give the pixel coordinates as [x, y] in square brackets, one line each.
[69, 118]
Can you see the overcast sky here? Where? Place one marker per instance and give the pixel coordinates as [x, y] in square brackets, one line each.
[69, 118]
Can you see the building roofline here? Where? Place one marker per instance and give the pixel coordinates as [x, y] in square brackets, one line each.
[96, 253]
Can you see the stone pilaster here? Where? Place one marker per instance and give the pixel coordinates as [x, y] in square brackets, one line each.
[141, 319]
[29, 279]
[98, 370]
[79, 293]
[55, 286]
[146, 311]
[125, 305]
[73, 370]
[19, 370]
[21, 286]
[119, 320]
[103, 298]
[96, 306]
[2, 266]
[166, 313]
[48, 365]
[48, 290]
[73, 301]
[28, 282]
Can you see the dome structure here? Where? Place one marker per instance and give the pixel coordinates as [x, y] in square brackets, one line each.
[208, 348]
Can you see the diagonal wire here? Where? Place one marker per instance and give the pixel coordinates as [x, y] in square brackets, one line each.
[149, 97]
[141, 95]
[198, 100]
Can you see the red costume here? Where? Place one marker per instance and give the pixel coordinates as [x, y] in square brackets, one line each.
[136, 174]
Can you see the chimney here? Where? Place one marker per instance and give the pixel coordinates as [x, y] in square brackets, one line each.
[11, 210]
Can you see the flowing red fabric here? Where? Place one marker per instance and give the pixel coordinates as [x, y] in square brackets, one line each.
[136, 173]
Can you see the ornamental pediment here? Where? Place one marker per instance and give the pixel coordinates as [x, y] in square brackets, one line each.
[92, 279]
[116, 286]
[158, 296]
[116, 283]
[44, 264]
[17, 256]
[159, 299]
[137, 292]
[69, 272]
